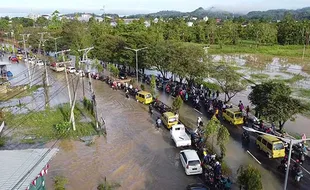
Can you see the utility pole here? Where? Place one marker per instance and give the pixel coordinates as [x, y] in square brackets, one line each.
[136, 50]
[46, 73]
[72, 118]
[55, 39]
[63, 59]
[103, 10]
[26, 56]
[41, 40]
[93, 96]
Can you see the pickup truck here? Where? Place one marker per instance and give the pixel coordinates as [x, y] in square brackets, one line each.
[179, 136]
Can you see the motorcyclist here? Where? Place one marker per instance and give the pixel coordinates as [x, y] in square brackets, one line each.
[199, 119]
[217, 170]
[151, 109]
[245, 136]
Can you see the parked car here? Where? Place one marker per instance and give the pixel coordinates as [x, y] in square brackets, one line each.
[122, 76]
[197, 186]
[40, 63]
[71, 70]
[179, 136]
[191, 162]
[80, 73]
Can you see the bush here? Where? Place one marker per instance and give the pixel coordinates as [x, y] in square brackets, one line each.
[249, 178]
[107, 186]
[61, 128]
[142, 87]
[60, 183]
[2, 141]
[177, 104]
[88, 104]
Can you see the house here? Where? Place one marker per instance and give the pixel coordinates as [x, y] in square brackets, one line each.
[99, 19]
[25, 169]
[155, 20]
[205, 18]
[33, 16]
[190, 24]
[194, 18]
[84, 17]
[147, 23]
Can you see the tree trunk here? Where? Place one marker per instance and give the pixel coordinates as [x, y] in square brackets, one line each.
[281, 125]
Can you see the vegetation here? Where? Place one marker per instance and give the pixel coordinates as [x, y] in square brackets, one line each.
[259, 76]
[249, 178]
[153, 86]
[273, 101]
[215, 129]
[304, 93]
[2, 141]
[60, 183]
[52, 123]
[113, 69]
[177, 104]
[107, 185]
[229, 81]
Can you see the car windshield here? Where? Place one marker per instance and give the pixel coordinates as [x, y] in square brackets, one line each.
[148, 96]
[238, 115]
[194, 163]
[172, 119]
[278, 146]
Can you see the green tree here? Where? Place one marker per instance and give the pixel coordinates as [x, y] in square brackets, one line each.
[114, 70]
[211, 130]
[107, 185]
[222, 139]
[4, 24]
[177, 104]
[96, 65]
[42, 21]
[229, 81]
[60, 183]
[249, 178]
[273, 101]
[153, 86]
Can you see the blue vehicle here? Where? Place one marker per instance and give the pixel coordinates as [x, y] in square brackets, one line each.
[9, 74]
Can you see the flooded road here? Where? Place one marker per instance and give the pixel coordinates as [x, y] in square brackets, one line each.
[134, 154]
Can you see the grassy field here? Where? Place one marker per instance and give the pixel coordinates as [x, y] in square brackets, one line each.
[259, 76]
[19, 92]
[289, 51]
[42, 124]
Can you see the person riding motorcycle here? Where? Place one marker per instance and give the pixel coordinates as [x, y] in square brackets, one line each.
[245, 136]
[158, 122]
[217, 170]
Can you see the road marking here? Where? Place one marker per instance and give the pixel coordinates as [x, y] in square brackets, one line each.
[253, 157]
[198, 111]
[302, 167]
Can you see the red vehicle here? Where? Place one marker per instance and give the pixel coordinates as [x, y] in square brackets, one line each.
[13, 59]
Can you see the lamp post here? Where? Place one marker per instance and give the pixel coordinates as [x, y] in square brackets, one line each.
[291, 141]
[136, 50]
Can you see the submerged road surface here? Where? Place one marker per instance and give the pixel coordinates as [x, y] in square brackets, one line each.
[134, 154]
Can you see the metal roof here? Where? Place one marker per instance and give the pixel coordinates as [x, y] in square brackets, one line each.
[15, 164]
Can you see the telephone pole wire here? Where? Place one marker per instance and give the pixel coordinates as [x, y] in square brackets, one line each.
[26, 57]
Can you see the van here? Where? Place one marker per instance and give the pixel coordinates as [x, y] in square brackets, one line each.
[272, 146]
[144, 97]
[169, 119]
[233, 116]
[191, 162]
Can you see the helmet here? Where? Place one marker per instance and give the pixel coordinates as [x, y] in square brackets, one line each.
[297, 161]
[217, 163]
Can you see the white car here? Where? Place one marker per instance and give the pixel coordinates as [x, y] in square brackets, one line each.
[179, 136]
[71, 70]
[80, 73]
[191, 162]
[40, 63]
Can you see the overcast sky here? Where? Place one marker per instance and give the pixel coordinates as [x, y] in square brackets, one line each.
[124, 7]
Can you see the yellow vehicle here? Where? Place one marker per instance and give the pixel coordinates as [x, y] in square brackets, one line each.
[272, 146]
[144, 97]
[19, 56]
[233, 116]
[169, 119]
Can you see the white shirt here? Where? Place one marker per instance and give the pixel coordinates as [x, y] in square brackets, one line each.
[130, 86]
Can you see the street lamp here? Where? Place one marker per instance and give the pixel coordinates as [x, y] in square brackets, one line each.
[56, 42]
[136, 50]
[291, 141]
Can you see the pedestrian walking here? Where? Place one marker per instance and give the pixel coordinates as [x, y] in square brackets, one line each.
[158, 122]
[247, 110]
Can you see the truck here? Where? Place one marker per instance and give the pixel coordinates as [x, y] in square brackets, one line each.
[179, 136]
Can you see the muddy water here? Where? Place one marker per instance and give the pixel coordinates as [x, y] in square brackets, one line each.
[134, 154]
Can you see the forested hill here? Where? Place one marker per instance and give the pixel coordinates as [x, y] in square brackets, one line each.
[277, 14]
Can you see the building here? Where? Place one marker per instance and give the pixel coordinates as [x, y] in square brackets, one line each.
[33, 16]
[46, 16]
[206, 18]
[25, 169]
[99, 19]
[190, 24]
[84, 17]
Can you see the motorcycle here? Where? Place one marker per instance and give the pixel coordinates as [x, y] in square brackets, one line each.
[245, 137]
[209, 175]
[298, 174]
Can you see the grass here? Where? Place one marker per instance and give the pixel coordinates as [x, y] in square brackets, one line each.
[42, 124]
[60, 183]
[259, 76]
[288, 51]
[278, 76]
[293, 80]
[19, 92]
[304, 93]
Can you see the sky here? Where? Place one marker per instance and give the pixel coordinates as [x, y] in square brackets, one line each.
[125, 7]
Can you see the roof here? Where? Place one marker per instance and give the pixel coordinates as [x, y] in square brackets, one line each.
[169, 114]
[15, 164]
[144, 92]
[191, 154]
[234, 110]
[270, 138]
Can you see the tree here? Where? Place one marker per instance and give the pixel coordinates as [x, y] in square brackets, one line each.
[113, 70]
[273, 101]
[211, 130]
[177, 104]
[153, 86]
[249, 178]
[60, 183]
[222, 139]
[42, 21]
[229, 80]
[96, 65]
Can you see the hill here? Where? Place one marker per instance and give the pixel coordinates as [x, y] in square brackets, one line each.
[278, 14]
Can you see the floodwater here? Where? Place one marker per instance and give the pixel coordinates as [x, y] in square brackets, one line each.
[275, 68]
[134, 154]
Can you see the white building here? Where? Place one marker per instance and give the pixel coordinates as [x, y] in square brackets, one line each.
[205, 18]
[155, 20]
[33, 16]
[190, 24]
[84, 17]
[194, 18]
